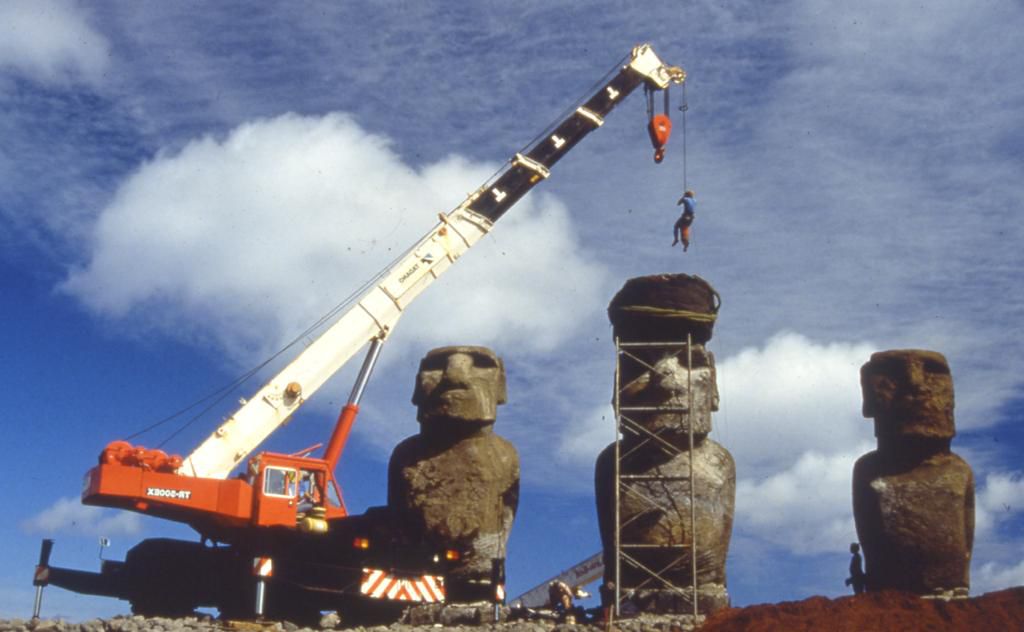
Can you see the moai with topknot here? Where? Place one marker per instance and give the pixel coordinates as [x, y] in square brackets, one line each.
[913, 499]
[456, 483]
[655, 392]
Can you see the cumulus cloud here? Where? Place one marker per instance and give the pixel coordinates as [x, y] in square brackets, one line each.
[778, 401]
[789, 397]
[790, 415]
[999, 499]
[996, 576]
[586, 437]
[805, 508]
[51, 41]
[69, 515]
[248, 239]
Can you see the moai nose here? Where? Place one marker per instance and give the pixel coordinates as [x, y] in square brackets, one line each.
[458, 367]
[914, 374]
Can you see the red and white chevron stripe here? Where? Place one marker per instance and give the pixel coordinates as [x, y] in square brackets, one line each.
[377, 584]
[263, 567]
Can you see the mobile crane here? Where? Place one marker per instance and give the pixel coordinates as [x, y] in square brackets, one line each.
[281, 523]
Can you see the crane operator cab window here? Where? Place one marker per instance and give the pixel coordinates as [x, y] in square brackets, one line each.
[309, 491]
[280, 482]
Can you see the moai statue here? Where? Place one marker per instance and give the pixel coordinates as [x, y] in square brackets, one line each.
[655, 390]
[456, 483]
[913, 499]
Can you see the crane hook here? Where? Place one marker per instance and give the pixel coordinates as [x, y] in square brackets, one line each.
[659, 128]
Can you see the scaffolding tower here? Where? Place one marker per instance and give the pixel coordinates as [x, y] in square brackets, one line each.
[633, 485]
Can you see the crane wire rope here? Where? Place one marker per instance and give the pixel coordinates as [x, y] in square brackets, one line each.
[218, 395]
[683, 108]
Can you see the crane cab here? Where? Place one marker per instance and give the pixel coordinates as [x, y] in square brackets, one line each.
[275, 490]
[292, 491]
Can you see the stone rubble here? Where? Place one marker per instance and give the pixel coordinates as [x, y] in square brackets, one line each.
[643, 623]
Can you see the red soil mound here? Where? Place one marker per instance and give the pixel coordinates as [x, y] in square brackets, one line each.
[882, 612]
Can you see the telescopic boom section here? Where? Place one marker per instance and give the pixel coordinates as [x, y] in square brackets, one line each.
[378, 310]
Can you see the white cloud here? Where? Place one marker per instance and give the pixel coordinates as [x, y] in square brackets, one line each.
[997, 576]
[998, 500]
[248, 239]
[51, 41]
[806, 508]
[778, 402]
[586, 436]
[69, 515]
[790, 414]
[790, 397]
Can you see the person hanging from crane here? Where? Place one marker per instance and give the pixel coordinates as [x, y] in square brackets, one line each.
[681, 230]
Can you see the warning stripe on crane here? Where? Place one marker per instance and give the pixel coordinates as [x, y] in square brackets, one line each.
[378, 584]
[263, 567]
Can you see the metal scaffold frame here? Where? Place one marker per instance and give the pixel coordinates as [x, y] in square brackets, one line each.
[625, 482]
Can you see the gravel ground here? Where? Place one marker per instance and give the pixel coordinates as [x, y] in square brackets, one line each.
[643, 623]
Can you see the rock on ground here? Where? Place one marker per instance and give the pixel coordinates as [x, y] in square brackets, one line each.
[879, 612]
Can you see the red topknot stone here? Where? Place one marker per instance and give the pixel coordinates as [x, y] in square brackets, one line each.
[664, 308]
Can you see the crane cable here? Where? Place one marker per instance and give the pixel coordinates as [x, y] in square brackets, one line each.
[683, 108]
[218, 395]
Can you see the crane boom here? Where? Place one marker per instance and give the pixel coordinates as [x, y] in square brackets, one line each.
[375, 314]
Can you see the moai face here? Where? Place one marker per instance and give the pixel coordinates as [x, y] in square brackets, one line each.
[909, 393]
[651, 378]
[464, 384]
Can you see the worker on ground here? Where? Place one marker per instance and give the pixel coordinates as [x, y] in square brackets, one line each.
[856, 578]
[560, 600]
[681, 231]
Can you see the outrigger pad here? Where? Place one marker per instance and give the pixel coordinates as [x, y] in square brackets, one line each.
[664, 308]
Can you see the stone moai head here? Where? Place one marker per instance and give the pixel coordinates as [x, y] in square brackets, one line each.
[909, 393]
[656, 378]
[666, 308]
[462, 385]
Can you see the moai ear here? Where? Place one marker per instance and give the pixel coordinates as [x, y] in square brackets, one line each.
[714, 382]
[500, 386]
[417, 391]
[867, 388]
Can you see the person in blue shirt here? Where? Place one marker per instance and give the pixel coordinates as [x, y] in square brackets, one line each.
[681, 231]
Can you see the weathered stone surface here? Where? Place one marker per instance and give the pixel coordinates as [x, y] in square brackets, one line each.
[916, 525]
[456, 483]
[913, 499]
[658, 378]
[462, 495]
[459, 386]
[668, 523]
[664, 307]
[909, 393]
[475, 614]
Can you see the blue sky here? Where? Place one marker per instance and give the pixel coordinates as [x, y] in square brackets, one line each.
[184, 187]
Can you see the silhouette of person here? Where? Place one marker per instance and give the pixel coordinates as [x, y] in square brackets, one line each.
[856, 578]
